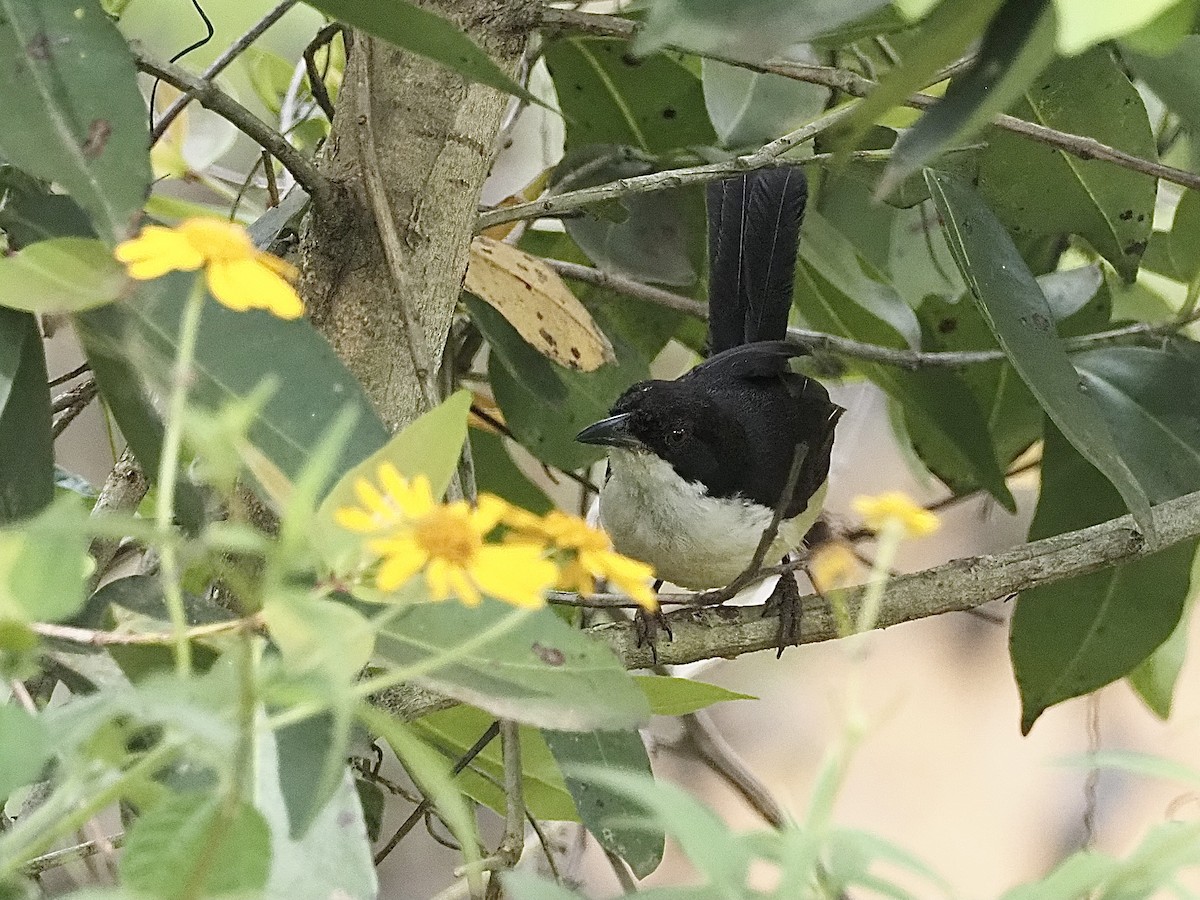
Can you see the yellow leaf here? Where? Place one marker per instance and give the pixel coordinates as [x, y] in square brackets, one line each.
[537, 303]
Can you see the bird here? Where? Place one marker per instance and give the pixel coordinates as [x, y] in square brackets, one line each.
[698, 466]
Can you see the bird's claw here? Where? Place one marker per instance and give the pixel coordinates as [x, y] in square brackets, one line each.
[785, 603]
[646, 628]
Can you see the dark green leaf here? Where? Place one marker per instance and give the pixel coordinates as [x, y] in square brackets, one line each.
[454, 731]
[30, 213]
[1075, 636]
[60, 275]
[70, 82]
[606, 813]
[312, 766]
[426, 34]
[189, 836]
[540, 671]
[609, 96]
[235, 354]
[26, 445]
[1175, 78]
[24, 749]
[496, 473]
[944, 35]
[333, 858]
[680, 696]
[838, 292]
[544, 404]
[1038, 190]
[1185, 238]
[1017, 46]
[758, 30]
[1016, 311]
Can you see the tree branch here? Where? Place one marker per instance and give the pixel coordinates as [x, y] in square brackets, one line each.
[856, 85]
[723, 632]
[303, 169]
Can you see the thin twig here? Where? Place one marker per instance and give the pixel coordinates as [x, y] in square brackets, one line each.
[316, 81]
[513, 842]
[92, 638]
[303, 169]
[81, 369]
[711, 746]
[857, 86]
[81, 394]
[417, 814]
[62, 857]
[842, 346]
[232, 52]
[621, 871]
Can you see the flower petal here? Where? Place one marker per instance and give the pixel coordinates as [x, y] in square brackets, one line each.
[515, 573]
[402, 560]
[156, 251]
[354, 519]
[242, 284]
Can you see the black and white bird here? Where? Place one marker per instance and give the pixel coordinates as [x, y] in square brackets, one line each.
[698, 465]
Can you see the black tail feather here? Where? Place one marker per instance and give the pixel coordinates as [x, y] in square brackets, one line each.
[753, 230]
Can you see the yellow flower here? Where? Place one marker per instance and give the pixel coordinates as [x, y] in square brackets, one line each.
[896, 507]
[832, 566]
[446, 541]
[238, 274]
[593, 556]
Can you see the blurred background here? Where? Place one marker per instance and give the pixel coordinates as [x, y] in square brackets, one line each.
[943, 770]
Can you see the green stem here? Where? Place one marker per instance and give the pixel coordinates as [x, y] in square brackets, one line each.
[168, 474]
[51, 821]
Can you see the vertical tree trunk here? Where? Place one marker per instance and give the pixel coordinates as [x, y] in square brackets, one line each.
[412, 142]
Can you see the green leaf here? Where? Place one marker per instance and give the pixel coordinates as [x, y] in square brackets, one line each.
[497, 473]
[751, 108]
[60, 275]
[235, 354]
[680, 696]
[546, 405]
[426, 34]
[949, 30]
[1016, 311]
[1155, 678]
[333, 858]
[317, 634]
[24, 749]
[71, 85]
[43, 563]
[760, 28]
[607, 813]
[1074, 636]
[1016, 47]
[609, 96]
[523, 885]
[454, 731]
[30, 213]
[530, 667]
[170, 842]
[26, 445]
[1036, 190]
[1082, 23]
[1185, 238]
[1174, 78]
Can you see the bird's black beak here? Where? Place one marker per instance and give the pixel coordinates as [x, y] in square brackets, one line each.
[610, 432]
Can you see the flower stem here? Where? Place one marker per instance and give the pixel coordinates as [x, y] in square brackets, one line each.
[168, 474]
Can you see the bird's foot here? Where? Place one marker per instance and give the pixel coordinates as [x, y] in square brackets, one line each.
[785, 603]
[646, 628]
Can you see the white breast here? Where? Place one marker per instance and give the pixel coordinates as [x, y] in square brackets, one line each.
[691, 539]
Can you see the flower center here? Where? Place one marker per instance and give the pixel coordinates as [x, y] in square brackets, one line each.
[447, 534]
[217, 240]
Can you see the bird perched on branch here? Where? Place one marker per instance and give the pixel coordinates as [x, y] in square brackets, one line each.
[699, 466]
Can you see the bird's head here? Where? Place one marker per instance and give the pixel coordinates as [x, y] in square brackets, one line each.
[672, 421]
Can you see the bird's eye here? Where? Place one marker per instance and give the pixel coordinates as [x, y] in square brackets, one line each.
[675, 437]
